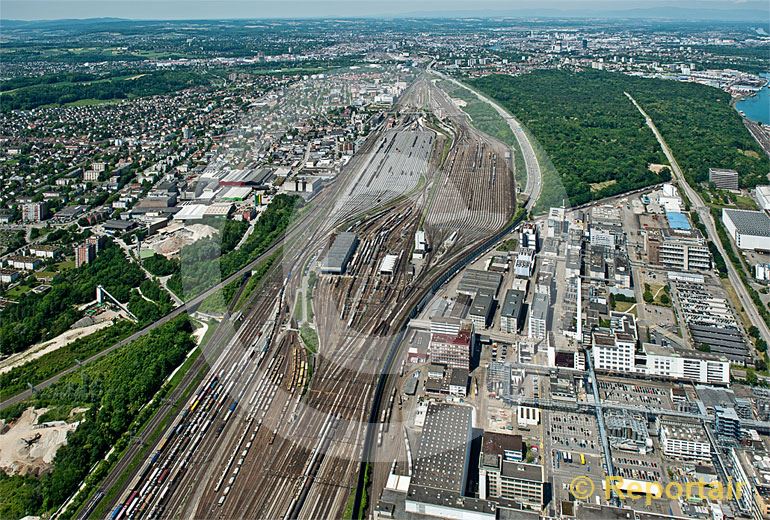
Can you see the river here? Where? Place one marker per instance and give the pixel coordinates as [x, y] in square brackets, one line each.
[757, 107]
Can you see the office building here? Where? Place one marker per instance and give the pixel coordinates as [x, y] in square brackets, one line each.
[503, 475]
[749, 229]
[524, 263]
[539, 316]
[482, 310]
[681, 250]
[454, 349]
[683, 364]
[613, 352]
[513, 312]
[684, 439]
[724, 179]
[727, 422]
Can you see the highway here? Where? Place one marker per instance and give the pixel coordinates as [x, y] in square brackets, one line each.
[386, 381]
[705, 216]
[534, 173]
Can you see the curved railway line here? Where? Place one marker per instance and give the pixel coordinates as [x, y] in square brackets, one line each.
[258, 439]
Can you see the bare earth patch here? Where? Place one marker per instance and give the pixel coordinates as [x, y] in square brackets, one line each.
[28, 448]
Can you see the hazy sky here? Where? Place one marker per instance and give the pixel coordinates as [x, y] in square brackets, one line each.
[217, 9]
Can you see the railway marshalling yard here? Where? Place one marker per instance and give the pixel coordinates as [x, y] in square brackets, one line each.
[277, 429]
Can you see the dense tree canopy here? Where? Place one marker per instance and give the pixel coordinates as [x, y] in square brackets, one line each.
[113, 389]
[595, 136]
[38, 317]
[589, 129]
[71, 89]
[204, 264]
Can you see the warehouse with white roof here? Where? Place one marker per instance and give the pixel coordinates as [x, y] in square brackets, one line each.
[749, 229]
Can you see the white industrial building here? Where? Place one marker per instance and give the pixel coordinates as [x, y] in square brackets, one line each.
[684, 439]
[762, 272]
[681, 364]
[420, 245]
[749, 229]
[762, 194]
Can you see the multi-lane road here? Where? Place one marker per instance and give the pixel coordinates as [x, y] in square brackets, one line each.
[534, 172]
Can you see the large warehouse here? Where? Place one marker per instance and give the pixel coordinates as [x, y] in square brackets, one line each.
[339, 254]
[749, 229]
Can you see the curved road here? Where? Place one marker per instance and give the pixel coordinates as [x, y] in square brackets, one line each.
[534, 173]
[705, 216]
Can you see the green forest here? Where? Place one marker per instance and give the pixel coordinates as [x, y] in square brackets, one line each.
[703, 130]
[599, 143]
[71, 88]
[15, 380]
[39, 317]
[208, 261]
[114, 389]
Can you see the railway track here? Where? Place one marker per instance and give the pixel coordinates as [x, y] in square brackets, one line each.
[252, 441]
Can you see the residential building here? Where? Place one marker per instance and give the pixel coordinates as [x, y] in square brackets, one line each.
[34, 211]
[23, 263]
[90, 175]
[85, 253]
[8, 275]
[43, 251]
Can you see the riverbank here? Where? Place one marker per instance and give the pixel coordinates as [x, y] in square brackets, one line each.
[755, 107]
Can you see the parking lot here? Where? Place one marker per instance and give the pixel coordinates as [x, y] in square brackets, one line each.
[577, 432]
[635, 394]
[638, 467]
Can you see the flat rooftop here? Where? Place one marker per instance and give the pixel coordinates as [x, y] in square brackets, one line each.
[441, 458]
[474, 280]
[339, 253]
[754, 223]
